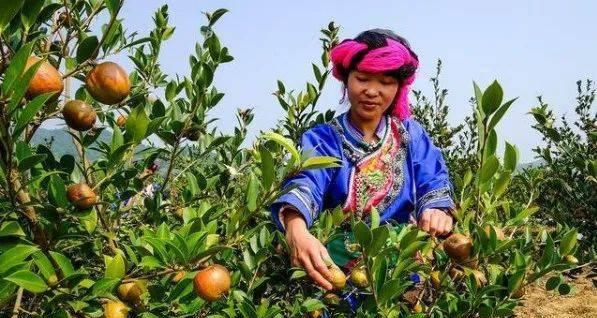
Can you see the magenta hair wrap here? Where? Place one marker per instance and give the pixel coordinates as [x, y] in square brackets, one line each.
[388, 58]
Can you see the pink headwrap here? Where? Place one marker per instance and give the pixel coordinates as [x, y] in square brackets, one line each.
[383, 59]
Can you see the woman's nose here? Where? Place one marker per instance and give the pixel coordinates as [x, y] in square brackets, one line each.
[371, 92]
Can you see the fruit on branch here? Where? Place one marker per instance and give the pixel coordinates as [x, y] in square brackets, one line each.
[331, 299]
[52, 281]
[338, 279]
[131, 292]
[108, 83]
[570, 259]
[458, 247]
[121, 121]
[79, 115]
[212, 282]
[81, 196]
[358, 277]
[315, 313]
[45, 80]
[115, 309]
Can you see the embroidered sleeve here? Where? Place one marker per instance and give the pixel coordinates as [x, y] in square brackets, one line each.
[306, 190]
[433, 186]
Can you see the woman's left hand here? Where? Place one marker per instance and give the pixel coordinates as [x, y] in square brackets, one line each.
[435, 222]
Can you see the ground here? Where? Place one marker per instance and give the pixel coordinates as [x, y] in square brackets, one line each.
[580, 303]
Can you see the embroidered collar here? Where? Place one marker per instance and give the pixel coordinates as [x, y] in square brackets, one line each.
[356, 137]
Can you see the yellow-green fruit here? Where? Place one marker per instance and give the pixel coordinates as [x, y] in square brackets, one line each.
[338, 278]
[131, 292]
[458, 247]
[52, 280]
[571, 259]
[435, 279]
[108, 83]
[79, 115]
[45, 80]
[358, 277]
[212, 282]
[115, 309]
[331, 299]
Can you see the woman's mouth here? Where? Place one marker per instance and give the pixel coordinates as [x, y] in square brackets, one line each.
[368, 105]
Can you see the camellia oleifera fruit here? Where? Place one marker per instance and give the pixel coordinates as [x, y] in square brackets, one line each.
[115, 309]
[46, 79]
[81, 196]
[212, 282]
[108, 83]
[358, 277]
[331, 299]
[338, 279]
[315, 313]
[131, 292]
[79, 115]
[458, 247]
[121, 121]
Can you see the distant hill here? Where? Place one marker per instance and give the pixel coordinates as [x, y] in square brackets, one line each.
[61, 142]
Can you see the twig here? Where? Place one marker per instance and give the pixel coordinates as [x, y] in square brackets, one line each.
[15, 311]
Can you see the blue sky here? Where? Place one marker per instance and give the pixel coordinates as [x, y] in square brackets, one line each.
[531, 47]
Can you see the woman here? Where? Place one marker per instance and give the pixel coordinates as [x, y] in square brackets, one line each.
[387, 159]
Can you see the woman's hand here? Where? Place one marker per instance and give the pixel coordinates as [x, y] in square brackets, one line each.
[435, 222]
[306, 250]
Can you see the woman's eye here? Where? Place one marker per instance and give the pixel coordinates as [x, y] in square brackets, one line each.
[361, 79]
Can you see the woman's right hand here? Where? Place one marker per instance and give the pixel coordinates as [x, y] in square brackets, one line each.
[306, 250]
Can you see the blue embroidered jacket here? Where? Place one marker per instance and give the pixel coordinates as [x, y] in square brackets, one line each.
[401, 175]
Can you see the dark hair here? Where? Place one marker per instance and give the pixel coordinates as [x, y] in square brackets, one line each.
[374, 39]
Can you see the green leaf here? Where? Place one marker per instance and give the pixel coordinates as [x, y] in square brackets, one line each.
[29, 112]
[30, 162]
[15, 255]
[491, 144]
[11, 228]
[515, 281]
[113, 6]
[568, 242]
[374, 218]
[57, 192]
[312, 304]
[500, 113]
[28, 280]
[252, 193]
[66, 267]
[553, 282]
[136, 124]
[43, 263]
[523, 215]
[380, 236]
[321, 162]
[492, 98]
[281, 88]
[216, 15]
[501, 184]
[8, 9]
[391, 289]
[104, 287]
[115, 267]
[490, 166]
[86, 48]
[30, 11]
[17, 63]
[510, 157]
[267, 168]
[21, 86]
[287, 144]
[478, 99]
[363, 234]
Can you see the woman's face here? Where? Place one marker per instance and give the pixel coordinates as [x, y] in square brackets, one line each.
[370, 94]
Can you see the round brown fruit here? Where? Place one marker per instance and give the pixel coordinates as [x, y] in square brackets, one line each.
[115, 309]
[212, 282]
[178, 276]
[338, 278]
[47, 79]
[79, 115]
[315, 313]
[499, 234]
[81, 196]
[121, 121]
[131, 292]
[458, 247]
[108, 83]
[358, 277]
